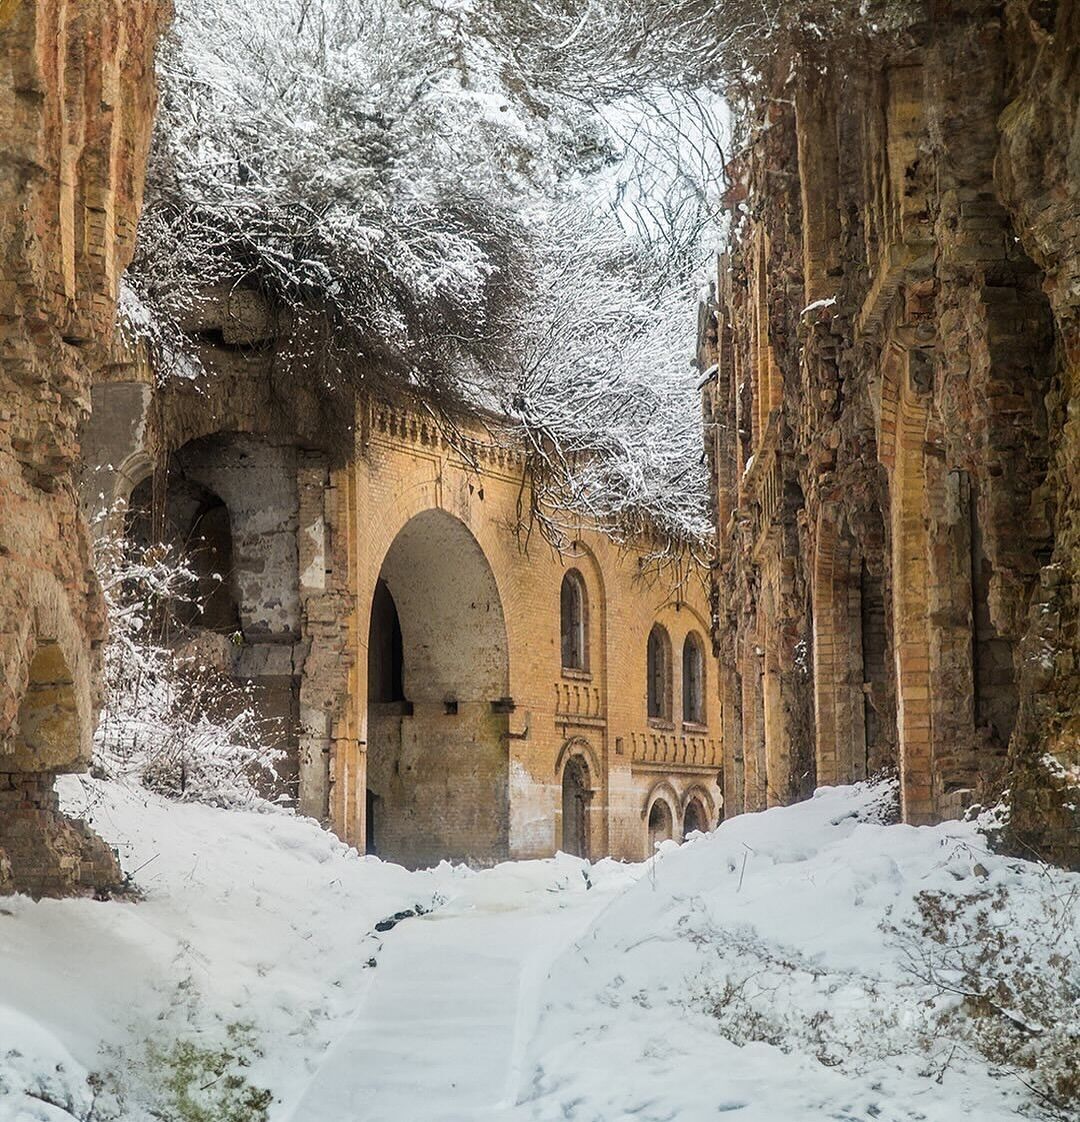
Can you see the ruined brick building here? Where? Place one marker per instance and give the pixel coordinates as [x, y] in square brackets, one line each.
[76, 107]
[441, 692]
[444, 689]
[891, 355]
[891, 358]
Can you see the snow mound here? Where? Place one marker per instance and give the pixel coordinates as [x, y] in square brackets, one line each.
[806, 963]
[772, 971]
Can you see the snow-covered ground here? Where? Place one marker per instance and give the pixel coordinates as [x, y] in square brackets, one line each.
[748, 973]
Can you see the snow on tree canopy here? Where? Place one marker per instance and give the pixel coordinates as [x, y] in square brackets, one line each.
[449, 216]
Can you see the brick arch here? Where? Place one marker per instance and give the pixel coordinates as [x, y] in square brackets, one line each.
[436, 782]
[584, 559]
[840, 719]
[399, 509]
[579, 746]
[672, 614]
[131, 472]
[53, 726]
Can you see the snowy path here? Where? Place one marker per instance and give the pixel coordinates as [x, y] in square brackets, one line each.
[749, 975]
[442, 1033]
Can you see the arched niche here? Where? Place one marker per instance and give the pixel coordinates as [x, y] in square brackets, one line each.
[695, 817]
[661, 815]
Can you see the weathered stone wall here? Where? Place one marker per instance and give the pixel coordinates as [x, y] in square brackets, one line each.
[894, 330]
[232, 461]
[76, 107]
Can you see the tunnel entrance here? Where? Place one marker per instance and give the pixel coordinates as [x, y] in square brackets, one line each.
[438, 679]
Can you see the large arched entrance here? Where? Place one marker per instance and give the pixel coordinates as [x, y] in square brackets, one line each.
[438, 679]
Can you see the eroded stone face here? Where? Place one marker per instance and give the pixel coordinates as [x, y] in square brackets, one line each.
[895, 336]
[76, 108]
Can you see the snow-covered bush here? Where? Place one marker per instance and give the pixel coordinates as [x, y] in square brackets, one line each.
[431, 206]
[170, 718]
[1009, 969]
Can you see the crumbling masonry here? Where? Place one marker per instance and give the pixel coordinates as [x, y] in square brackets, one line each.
[893, 353]
[76, 106]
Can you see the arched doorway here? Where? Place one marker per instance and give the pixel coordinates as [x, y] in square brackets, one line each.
[661, 826]
[853, 708]
[576, 792]
[695, 820]
[438, 679]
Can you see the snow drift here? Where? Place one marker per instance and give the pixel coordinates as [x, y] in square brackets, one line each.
[804, 963]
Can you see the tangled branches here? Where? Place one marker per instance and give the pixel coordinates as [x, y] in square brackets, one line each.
[171, 719]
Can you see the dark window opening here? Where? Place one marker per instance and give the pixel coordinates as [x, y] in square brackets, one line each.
[693, 681]
[660, 826]
[875, 662]
[210, 553]
[659, 674]
[386, 651]
[572, 615]
[694, 819]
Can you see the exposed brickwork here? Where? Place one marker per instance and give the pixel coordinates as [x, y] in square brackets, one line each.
[474, 765]
[908, 278]
[76, 107]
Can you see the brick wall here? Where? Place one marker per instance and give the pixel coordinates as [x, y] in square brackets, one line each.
[914, 215]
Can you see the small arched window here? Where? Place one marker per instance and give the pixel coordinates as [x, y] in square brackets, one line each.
[695, 820]
[660, 823]
[693, 680]
[573, 610]
[659, 674]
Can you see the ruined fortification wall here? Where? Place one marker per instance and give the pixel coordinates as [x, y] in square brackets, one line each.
[895, 342]
[76, 107]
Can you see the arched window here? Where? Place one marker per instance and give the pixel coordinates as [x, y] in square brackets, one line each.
[695, 820]
[573, 608]
[659, 674]
[660, 824]
[693, 680]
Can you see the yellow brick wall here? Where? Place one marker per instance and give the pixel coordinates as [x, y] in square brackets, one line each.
[405, 468]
